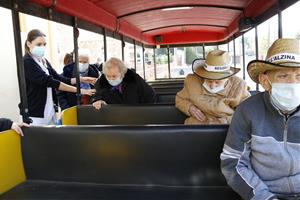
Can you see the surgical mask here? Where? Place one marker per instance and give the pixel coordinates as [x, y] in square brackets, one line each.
[83, 67]
[38, 51]
[114, 82]
[285, 96]
[214, 90]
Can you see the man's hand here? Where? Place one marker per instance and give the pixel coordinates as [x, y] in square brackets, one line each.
[197, 113]
[98, 104]
[17, 127]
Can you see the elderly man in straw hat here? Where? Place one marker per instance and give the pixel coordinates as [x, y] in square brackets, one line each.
[212, 93]
[261, 155]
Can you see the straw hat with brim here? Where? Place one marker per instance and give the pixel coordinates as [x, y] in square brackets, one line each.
[284, 53]
[215, 67]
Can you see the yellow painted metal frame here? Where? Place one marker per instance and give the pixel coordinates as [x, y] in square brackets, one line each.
[12, 170]
[69, 116]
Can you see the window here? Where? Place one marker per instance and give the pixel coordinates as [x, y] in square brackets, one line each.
[59, 38]
[129, 55]
[161, 61]
[239, 56]
[231, 53]
[94, 43]
[223, 47]
[209, 48]
[139, 61]
[8, 78]
[149, 64]
[181, 59]
[289, 16]
[114, 48]
[267, 33]
[250, 54]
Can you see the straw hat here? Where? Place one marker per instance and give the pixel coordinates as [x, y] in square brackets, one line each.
[284, 53]
[215, 67]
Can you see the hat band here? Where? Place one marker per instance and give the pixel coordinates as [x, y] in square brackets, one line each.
[284, 57]
[212, 68]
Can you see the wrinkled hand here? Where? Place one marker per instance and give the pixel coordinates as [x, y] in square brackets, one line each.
[17, 127]
[196, 113]
[88, 92]
[98, 104]
[89, 80]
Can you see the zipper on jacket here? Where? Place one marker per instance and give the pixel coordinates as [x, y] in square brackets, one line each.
[289, 154]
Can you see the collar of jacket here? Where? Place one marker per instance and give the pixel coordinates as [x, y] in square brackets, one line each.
[273, 109]
[128, 78]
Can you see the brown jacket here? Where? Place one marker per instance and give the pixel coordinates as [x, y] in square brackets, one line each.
[218, 108]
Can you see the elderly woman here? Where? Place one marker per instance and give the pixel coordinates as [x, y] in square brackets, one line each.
[212, 93]
[119, 85]
[69, 99]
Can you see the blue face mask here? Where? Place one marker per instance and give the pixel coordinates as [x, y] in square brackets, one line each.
[115, 82]
[38, 51]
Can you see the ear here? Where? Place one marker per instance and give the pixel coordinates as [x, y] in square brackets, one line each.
[264, 81]
[28, 44]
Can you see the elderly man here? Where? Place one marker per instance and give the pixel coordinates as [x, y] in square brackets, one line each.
[67, 99]
[261, 154]
[212, 93]
[119, 85]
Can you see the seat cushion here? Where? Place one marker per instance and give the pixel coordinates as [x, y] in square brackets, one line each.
[64, 190]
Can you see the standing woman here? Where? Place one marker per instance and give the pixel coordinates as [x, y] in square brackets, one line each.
[42, 80]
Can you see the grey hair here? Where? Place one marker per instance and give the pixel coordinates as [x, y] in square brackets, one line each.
[115, 62]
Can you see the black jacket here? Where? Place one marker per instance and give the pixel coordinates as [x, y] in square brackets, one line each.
[68, 99]
[5, 124]
[37, 82]
[134, 90]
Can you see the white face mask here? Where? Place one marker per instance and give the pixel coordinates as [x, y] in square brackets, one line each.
[285, 96]
[114, 82]
[214, 90]
[38, 51]
[83, 67]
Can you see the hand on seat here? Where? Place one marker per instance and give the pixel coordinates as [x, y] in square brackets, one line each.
[196, 113]
[17, 127]
[98, 104]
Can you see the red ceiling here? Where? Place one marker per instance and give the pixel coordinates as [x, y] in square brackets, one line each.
[142, 20]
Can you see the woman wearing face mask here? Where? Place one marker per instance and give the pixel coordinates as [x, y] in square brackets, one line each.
[69, 99]
[42, 81]
[119, 85]
[261, 154]
[212, 93]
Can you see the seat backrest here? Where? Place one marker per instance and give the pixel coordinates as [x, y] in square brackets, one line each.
[146, 155]
[129, 115]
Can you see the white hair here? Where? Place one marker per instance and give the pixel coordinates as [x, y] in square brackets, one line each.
[115, 62]
[84, 53]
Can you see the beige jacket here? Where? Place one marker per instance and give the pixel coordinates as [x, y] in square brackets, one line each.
[218, 108]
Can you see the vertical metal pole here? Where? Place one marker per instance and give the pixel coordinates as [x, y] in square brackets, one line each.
[144, 69]
[20, 64]
[279, 23]
[169, 68]
[105, 44]
[203, 50]
[234, 54]
[244, 62]
[75, 37]
[154, 63]
[256, 52]
[123, 45]
[134, 52]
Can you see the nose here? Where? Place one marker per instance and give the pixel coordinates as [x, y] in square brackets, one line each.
[293, 79]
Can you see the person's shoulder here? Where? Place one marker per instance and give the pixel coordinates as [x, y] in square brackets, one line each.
[237, 80]
[192, 78]
[131, 76]
[27, 58]
[253, 103]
